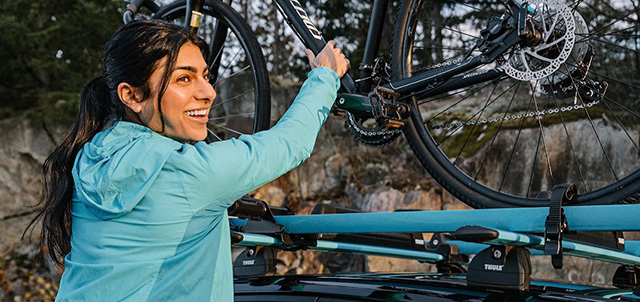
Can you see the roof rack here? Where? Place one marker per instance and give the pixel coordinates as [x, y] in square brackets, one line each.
[501, 239]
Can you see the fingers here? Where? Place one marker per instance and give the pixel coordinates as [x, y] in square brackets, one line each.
[311, 57]
[330, 56]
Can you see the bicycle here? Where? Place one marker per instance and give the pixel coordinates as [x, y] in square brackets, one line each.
[470, 85]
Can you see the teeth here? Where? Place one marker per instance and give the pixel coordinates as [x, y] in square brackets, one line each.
[196, 112]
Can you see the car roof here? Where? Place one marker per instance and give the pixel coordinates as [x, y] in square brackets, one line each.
[407, 287]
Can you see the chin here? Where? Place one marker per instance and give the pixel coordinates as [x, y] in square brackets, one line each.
[201, 136]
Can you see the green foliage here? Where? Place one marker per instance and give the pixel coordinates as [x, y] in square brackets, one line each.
[50, 49]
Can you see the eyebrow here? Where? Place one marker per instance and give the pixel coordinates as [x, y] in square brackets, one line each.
[191, 68]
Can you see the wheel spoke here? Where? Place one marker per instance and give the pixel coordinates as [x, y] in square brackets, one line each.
[607, 77]
[450, 29]
[473, 116]
[622, 106]
[229, 116]
[611, 33]
[614, 21]
[226, 128]
[214, 134]
[615, 45]
[233, 60]
[515, 144]
[573, 151]
[604, 152]
[541, 125]
[456, 103]
[222, 79]
[621, 125]
[233, 98]
[493, 139]
[540, 138]
[474, 125]
[444, 96]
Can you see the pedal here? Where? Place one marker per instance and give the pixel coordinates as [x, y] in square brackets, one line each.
[385, 108]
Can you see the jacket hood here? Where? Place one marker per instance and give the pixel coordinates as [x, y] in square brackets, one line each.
[115, 170]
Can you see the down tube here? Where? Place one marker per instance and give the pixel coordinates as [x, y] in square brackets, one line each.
[308, 33]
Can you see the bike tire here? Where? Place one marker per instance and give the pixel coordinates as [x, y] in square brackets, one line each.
[243, 103]
[463, 175]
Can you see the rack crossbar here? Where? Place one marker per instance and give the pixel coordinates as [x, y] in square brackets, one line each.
[580, 218]
[569, 247]
[331, 246]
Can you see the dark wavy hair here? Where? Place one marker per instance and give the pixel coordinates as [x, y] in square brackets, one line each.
[130, 56]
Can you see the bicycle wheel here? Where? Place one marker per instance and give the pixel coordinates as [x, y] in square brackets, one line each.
[563, 111]
[242, 105]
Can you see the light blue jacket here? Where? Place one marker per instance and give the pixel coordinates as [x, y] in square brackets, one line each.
[149, 220]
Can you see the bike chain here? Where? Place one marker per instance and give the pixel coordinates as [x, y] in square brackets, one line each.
[376, 137]
[370, 133]
[515, 116]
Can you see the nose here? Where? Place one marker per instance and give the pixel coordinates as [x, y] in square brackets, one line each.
[205, 91]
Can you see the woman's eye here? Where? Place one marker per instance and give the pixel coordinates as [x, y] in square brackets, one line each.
[183, 79]
[206, 77]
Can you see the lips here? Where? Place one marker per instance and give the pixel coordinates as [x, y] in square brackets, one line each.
[199, 115]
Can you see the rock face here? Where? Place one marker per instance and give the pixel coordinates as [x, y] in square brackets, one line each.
[340, 171]
[25, 146]
[592, 163]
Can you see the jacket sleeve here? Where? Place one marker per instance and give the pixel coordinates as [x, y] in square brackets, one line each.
[219, 173]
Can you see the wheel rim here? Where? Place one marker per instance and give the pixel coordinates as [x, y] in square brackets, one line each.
[506, 139]
[240, 106]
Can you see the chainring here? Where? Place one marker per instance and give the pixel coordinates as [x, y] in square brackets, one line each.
[370, 135]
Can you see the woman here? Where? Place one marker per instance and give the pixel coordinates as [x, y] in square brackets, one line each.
[145, 199]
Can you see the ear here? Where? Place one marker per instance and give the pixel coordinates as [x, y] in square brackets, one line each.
[129, 96]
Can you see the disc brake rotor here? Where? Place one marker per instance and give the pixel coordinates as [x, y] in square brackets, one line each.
[557, 26]
[570, 76]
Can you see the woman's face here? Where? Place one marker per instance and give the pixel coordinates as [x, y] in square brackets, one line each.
[187, 100]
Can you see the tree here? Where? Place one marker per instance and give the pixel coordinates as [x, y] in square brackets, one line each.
[50, 49]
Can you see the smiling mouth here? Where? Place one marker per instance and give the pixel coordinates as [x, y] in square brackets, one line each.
[197, 113]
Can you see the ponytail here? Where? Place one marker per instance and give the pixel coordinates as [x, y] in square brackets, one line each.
[57, 190]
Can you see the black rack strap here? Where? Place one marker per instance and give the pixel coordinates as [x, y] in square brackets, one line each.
[452, 258]
[260, 215]
[556, 223]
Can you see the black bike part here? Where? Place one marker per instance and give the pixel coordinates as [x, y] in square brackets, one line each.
[470, 139]
[243, 102]
[311, 37]
[366, 131]
[372, 48]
